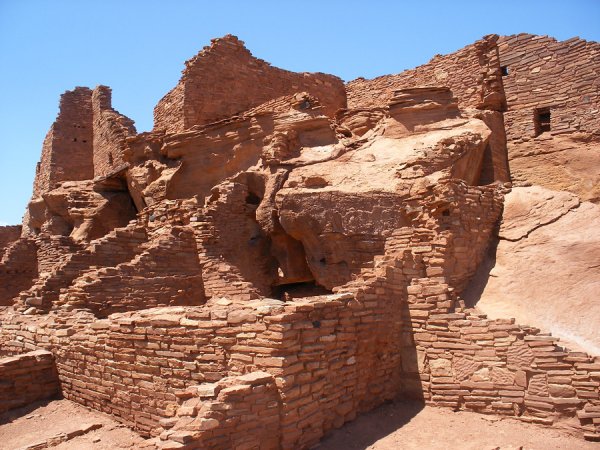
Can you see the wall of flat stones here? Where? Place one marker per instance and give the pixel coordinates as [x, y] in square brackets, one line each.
[236, 412]
[67, 149]
[225, 79]
[220, 278]
[472, 73]
[544, 72]
[168, 273]
[8, 235]
[467, 361]
[27, 378]
[120, 245]
[110, 129]
[52, 249]
[18, 269]
[327, 360]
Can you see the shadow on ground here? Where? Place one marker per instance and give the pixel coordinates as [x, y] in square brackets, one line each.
[14, 414]
[373, 426]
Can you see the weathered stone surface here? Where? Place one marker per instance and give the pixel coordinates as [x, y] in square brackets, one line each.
[546, 271]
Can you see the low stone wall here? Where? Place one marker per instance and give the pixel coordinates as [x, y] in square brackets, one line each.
[467, 361]
[27, 378]
[331, 357]
[237, 412]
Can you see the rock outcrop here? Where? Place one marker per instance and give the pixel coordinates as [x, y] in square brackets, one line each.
[283, 251]
[545, 269]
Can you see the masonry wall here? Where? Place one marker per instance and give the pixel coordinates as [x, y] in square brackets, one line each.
[8, 235]
[225, 79]
[236, 412]
[18, 269]
[544, 72]
[472, 73]
[67, 148]
[118, 246]
[467, 361]
[167, 273]
[323, 352]
[52, 249]
[27, 378]
[219, 277]
[110, 129]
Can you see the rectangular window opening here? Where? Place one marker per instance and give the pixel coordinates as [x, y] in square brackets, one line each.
[542, 120]
[504, 70]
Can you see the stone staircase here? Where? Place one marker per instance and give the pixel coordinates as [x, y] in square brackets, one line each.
[118, 246]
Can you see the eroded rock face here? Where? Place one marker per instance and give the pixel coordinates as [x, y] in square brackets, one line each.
[342, 210]
[545, 269]
[565, 163]
[82, 210]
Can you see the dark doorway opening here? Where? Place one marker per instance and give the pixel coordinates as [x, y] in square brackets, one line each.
[541, 120]
[504, 70]
[299, 290]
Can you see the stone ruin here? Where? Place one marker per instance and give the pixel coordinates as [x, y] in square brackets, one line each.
[284, 251]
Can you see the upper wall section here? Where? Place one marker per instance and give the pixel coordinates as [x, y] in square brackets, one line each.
[110, 131]
[86, 140]
[472, 73]
[67, 148]
[225, 79]
[541, 72]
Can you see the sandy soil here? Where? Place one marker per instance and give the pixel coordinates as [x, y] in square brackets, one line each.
[394, 426]
[408, 426]
[42, 421]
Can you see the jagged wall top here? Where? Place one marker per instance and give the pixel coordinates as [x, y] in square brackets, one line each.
[472, 73]
[225, 79]
[86, 140]
[67, 148]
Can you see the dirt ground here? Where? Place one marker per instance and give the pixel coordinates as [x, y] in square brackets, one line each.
[409, 426]
[44, 421]
[394, 426]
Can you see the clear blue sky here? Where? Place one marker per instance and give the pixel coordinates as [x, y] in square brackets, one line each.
[139, 47]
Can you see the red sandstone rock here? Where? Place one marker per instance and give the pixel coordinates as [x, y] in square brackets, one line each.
[547, 235]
